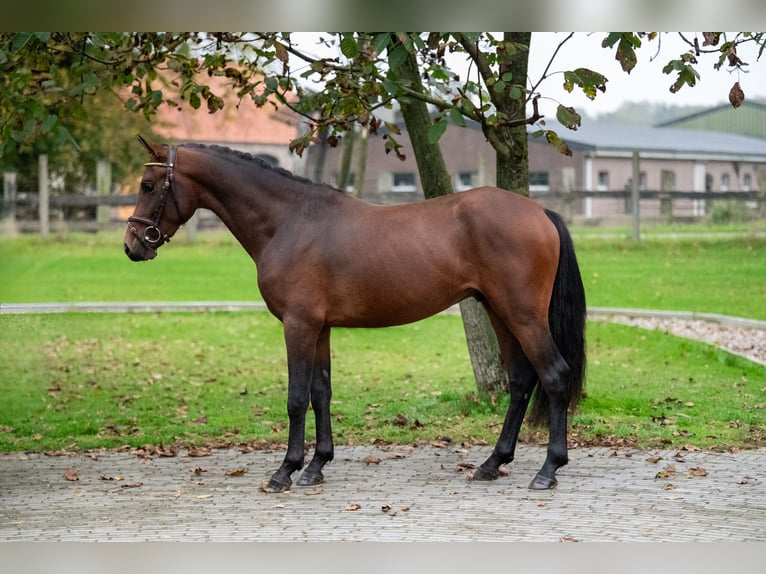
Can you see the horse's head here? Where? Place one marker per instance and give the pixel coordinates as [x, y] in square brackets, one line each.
[161, 207]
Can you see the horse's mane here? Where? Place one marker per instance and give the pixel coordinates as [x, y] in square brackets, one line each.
[250, 158]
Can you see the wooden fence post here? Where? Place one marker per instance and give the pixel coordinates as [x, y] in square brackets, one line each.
[9, 199]
[103, 188]
[43, 196]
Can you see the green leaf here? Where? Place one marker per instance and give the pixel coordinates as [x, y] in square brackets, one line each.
[21, 40]
[397, 56]
[591, 82]
[348, 47]
[49, 123]
[568, 117]
[436, 130]
[499, 86]
[516, 93]
[456, 117]
[380, 42]
[560, 145]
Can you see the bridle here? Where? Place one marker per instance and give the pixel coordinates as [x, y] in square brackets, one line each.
[153, 236]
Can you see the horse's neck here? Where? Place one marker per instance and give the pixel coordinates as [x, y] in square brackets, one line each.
[252, 204]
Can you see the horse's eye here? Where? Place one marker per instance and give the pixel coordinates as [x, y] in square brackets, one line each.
[147, 187]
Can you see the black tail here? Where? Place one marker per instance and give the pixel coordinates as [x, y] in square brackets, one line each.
[566, 318]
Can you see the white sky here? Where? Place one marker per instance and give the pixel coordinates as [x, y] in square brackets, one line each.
[646, 83]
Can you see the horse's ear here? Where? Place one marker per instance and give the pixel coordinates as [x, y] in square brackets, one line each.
[152, 148]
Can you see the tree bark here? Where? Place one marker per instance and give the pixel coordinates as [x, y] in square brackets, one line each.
[488, 368]
[510, 143]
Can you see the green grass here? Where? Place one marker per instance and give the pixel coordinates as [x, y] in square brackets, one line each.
[713, 275]
[82, 267]
[81, 381]
[84, 381]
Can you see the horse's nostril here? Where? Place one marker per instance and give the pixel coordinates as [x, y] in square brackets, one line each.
[130, 254]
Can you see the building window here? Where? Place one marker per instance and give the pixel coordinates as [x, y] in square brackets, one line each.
[603, 181]
[747, 182]
[465, 180]
[642, 180]
[724, 182]
[539, 181]
[404, 181]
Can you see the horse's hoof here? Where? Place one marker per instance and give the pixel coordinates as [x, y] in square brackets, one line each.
[542, 482]
[310, 479]
[276, 485]
[483, 474]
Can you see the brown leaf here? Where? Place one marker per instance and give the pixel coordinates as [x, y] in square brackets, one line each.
[368, 460]
[71, 474]
[133, 485]
[166, 451]
[385, 507]
[352, 507]
[667, 472]
[199, 421]
[199, 470]
[736, 95]
[115, 478]
[654, 459]
[236, 472]
[200, 451]
[696, 471]
[400, 421]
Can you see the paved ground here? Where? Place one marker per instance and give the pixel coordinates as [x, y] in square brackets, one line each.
[411, 494]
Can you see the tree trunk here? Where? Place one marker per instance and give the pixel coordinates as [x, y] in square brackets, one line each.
[510, 143]
[488, 369]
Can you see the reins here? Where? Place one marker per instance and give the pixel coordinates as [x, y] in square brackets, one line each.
[153, 236]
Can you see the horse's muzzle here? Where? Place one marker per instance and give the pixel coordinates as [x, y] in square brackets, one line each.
[134, 256]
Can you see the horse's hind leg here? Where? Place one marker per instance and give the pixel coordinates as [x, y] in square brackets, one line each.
[522, 379]
[321, 393]
[553, 373]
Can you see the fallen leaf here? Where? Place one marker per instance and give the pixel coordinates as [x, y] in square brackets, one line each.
[654, 459]
[368, 460]
[568, 539]
[669, 486]
[199, 470]
[71, 474]
[236, 472]
[201, 496]
[352, 507]
[667, 472]
[405, 509]
[385, 507]
[463, 466]
[200, 451]
[115, 478]
[199, 421]
[696, 471]
[132, 485]
[313, 492]
[400, 420]
[165, 451]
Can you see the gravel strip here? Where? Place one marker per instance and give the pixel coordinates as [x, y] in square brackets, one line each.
[743, 341]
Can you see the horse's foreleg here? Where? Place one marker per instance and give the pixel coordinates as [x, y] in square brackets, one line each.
[321, 393]
[301, 344]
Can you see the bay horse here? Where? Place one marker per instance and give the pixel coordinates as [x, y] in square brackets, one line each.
[327, 259]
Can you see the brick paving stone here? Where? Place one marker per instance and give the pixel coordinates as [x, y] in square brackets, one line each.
[418, 494]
